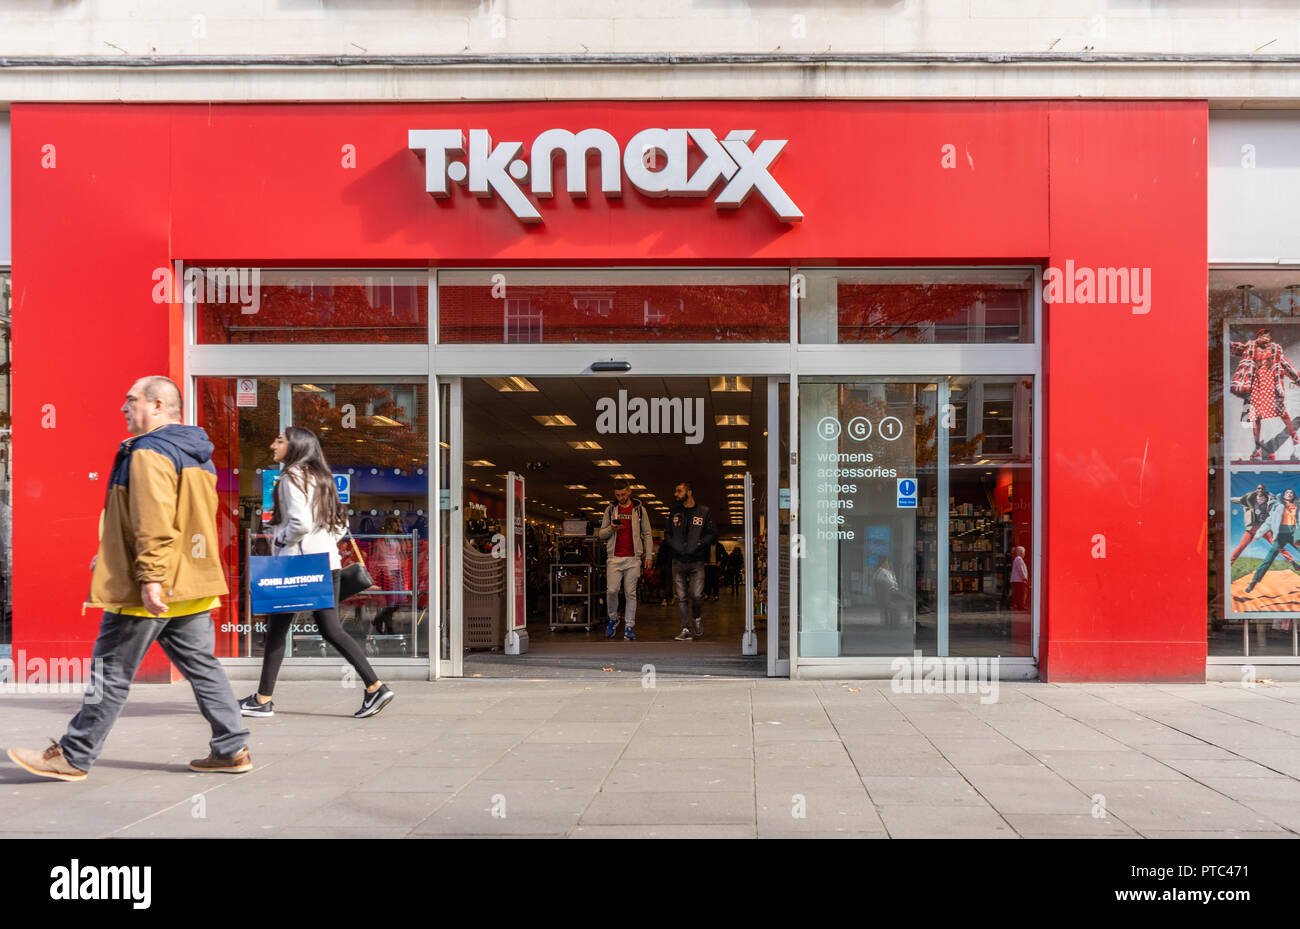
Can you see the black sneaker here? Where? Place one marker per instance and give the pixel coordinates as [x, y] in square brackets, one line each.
[250, 707]
[372, 703]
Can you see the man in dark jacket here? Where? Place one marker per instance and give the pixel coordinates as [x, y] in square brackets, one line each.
[157, 576]
[691, 533]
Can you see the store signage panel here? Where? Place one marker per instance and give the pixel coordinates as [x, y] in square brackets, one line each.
[655, 162]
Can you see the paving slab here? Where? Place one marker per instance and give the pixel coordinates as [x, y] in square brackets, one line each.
[917, 821]
[675, 807]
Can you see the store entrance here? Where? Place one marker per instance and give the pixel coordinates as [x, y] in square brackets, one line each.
[573, 441]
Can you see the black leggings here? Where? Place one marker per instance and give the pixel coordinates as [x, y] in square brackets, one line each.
[327, 622]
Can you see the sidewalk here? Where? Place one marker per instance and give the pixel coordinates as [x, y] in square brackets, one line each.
[687, 757]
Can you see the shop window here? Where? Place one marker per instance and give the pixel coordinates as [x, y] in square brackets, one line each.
[236, 306]
[990, 518]
[872, 469]
[374, 434]
[921, 306]
[613, 306]
[1254, 463]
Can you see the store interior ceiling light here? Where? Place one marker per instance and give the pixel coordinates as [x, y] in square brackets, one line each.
[733, 445]
[511, 384]
[606, 463]
[735, 476]
[584, 444]
[730, 384]
[308, 389]
[384, 421]
[557, 419]
[575, 486]
[623, 477]
[480, 463]
[730, 419]
[734, 463]
[636, 487]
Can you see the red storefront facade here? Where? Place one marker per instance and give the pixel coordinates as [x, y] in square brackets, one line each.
[104, 196]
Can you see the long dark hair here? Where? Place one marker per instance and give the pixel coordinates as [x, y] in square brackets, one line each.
[305, 457]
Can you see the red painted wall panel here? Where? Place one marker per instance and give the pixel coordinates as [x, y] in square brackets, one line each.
[90, 228]
[1122, 184]
[1125, 398]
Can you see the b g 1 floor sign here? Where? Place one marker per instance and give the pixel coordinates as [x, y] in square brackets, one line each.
[907, 492]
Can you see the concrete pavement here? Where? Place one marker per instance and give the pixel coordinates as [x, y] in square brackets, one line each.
[609, 757]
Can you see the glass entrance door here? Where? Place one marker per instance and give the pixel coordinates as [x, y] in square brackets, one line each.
[869, 491]
[917, 520]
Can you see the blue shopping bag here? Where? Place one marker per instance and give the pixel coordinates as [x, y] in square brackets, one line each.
[288, 583]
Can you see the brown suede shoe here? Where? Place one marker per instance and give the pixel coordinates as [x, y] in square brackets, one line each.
[49, 763]
[240, 762]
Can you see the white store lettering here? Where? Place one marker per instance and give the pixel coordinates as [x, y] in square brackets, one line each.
[499, 169]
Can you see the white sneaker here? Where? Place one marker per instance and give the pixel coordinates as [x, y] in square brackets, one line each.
[684, 635]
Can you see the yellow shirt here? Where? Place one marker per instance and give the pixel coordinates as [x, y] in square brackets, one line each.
[179, 608]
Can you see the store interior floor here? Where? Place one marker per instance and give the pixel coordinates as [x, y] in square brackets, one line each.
[566, 652]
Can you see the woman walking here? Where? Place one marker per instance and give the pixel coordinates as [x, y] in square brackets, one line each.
[309, 519]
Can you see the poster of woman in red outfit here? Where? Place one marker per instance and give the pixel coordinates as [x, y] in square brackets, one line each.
[1262, 378]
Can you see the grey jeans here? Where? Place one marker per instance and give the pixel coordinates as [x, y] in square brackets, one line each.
[688, 581]
[622, 572]
[120, 648]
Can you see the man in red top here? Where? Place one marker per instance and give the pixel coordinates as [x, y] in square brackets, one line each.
[625, 528]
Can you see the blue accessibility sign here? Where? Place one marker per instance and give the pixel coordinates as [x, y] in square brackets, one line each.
[343, 484]
[907, 493]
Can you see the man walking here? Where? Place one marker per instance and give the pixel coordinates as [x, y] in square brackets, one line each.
[625, 528]
[690, 536]
[157, 575]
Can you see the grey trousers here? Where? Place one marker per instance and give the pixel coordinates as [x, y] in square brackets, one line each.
[688, 586]
[120, 648]
[622, 573]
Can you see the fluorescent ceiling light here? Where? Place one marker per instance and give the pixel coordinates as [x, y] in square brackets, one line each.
[481, 463]
[592, 496]
[607, 463]
[559, 419]
[586, 444]
[736, 476]
[623, 477]
[734, 463]
[512, 384]
[731, 419]
[733, 445]
[308, 389]
[575, 486]
[636, 487]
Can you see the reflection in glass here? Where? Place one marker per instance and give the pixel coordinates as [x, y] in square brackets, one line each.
[267, 305]
[927, 306]
[535, 307]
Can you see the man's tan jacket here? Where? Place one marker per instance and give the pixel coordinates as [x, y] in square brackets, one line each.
[160, 521]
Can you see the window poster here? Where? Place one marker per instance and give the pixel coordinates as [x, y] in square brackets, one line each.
[1262, 396]
[1261, 405]
[1264, 560]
